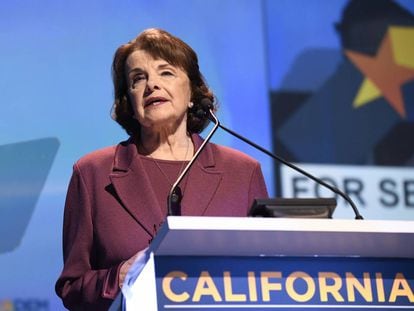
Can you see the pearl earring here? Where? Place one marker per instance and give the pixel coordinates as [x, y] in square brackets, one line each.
[190, 105]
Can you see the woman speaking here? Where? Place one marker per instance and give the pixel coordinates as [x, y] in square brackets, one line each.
[117, 196]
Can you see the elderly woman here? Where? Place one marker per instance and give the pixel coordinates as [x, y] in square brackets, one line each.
[117, 197]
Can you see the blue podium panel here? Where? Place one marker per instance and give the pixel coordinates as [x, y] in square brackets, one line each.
[283, 283]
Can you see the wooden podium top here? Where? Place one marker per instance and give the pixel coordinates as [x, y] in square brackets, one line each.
[239, 236]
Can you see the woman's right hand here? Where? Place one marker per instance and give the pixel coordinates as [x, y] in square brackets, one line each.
[127, 265]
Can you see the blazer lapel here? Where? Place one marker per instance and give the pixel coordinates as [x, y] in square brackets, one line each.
[134, 189]
[203, 181]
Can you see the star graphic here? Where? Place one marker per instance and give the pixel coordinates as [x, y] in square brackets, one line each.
[388, 70]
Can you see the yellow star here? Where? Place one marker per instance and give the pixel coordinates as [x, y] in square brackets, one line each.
[388, 70]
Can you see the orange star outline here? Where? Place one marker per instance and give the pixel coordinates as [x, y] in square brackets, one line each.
[384, 73]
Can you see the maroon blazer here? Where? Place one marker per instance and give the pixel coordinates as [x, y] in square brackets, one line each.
[111, 212]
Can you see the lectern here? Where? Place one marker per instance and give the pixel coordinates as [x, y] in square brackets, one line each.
[222, 263]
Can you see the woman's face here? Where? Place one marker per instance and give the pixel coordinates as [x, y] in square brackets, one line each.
[159, 92]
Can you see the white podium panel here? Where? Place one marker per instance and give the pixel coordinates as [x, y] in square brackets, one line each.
[232, 236]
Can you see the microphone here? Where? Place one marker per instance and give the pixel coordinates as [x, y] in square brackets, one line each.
[207, 106]
[175, 195]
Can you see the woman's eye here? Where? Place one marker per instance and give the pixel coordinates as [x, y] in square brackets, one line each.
[137, 79]
[167, 73]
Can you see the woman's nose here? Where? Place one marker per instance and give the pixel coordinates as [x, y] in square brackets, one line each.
[152, 84]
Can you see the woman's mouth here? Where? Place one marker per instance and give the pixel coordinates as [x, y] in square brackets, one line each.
[154, 101]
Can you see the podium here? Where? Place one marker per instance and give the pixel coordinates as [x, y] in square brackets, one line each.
[221, 263]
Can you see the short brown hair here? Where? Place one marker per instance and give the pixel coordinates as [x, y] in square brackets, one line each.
[160, 45]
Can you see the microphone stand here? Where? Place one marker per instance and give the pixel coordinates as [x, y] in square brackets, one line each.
[175, 195]
[291, 165]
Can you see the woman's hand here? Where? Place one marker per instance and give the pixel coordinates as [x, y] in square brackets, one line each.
[127, 265]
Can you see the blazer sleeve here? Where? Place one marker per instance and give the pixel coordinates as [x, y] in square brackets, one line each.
[80, 285]
[257, 187]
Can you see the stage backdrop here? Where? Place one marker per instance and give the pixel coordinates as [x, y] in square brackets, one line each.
[56, 95]
[342, 100]
[269, 65]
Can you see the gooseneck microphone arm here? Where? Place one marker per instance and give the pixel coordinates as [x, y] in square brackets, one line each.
[208, 107]
[174, 198]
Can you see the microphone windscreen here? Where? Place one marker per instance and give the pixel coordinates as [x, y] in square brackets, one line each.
[206, 104]
[204, 109]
